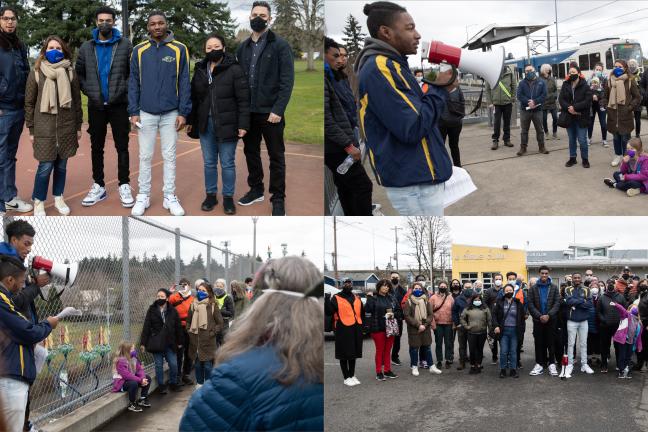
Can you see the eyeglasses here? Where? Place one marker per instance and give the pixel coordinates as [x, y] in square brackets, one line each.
[544, 273]
[9, 19]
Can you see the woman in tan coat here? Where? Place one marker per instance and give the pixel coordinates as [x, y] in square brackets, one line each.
[419, 316]
[622, 97]
[53, 115]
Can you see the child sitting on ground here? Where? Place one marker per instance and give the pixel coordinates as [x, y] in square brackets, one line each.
[632, 177]
[128, 375]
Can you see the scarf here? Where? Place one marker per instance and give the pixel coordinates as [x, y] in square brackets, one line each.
[9, 41]
[420, 307]
[57, 83]
[617, 91]
[199, 318]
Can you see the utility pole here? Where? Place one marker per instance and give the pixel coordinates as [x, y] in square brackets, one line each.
[395, 229]
[335, 255]
[284, 249]
[255, 219]
[556, 16]
[548, 41]
[430, 247]
[226, 244]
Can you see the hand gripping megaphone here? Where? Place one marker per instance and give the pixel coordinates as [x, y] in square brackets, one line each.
[66, 271]
[487, 65]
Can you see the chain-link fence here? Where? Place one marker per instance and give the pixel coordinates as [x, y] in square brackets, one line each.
[113, 293]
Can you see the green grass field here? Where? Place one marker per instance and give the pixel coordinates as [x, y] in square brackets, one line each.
[305, 113]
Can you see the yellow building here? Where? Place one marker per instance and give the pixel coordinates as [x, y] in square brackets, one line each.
[480, 262]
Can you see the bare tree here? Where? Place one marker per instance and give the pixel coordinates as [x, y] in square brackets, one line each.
[310, 14]
[429, 236]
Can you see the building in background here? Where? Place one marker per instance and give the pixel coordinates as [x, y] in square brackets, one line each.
[470, 263]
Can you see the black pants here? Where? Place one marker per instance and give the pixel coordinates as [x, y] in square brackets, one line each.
[452, 132]
[560, 341]
[543, 338]
[184, 361]
[273, 136]
[476, 347]
[98, 120]
[396, 347]
[494, 349]
[132, 386]
[348, 367]
[554, 118]
[354, 188]
[502, 111]
[637, 119]
[605, 334]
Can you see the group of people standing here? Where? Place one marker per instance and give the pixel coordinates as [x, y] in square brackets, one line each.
[582, 309]
[230, 97]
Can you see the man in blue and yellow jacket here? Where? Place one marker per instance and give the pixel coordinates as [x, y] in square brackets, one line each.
[159, 98]
[399, 120]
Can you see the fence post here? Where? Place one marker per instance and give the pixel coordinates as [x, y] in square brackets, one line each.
[227, 263]
[177, 255]
[209, 273]
[125, 279]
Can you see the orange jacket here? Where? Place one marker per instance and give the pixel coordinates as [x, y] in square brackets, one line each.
[181, 305]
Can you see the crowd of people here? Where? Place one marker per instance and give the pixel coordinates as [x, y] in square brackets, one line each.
[581, 316]
[231, 96]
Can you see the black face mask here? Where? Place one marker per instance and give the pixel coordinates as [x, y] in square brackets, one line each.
[395, 281]
[610, 288]
[160, 302]
[105, 29]
[258, 24]
[214, 55]
[443, 290]
[508, 295]
[346, 288]
[643, 287]
[626, 276]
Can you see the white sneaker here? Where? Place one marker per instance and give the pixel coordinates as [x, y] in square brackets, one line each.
[97, 193]
[568, 371]
[60, 205]
[415, 371]
[605, 144]
[537, 370]
[435, 370]
[616, 161]
[552, 370]
[589, 142]
[587, 369]
[126, 196]
[172, 204]
[355, 380]
[39, 208]
[349, 382]
[141, 204]
[198, 386]
[18, 205]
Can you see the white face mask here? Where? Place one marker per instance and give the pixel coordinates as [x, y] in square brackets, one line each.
[419, 79]
[498, 283]
[595, 292]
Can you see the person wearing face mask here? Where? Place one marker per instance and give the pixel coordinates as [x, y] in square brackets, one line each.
[226, 306]
[579, 300]
[593, 327]
[103, 67]
[635, 75]
[267, 62]
[220, 116]
[53, 115]
[501, 100]
[643, 314]
[378, 308]
[419, 315]
[531, 95]
[129, 376]
[622, 96]
[520, 293]
[508, 321]
[608, 318]
[549, 106]
[460, 304]
[181, 300]
[451, 122]
[632, 177]
[162, 337]
[628, 336]
[490, 297]
[476, 321]
[348, 312]
[544, 305]
[204, 323]
[575, 103]
[399, 293]
[240, 298]
[442, 303]
[598, 84]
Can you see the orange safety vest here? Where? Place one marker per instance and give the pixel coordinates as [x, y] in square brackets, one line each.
[347, 314]
[520, 295]
[425, 87]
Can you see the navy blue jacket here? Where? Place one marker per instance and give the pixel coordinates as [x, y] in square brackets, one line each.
[580, 300]
[526, 93]
[18, 335]
[458, 306]
[242, 395]
[159, 80]
[344, 94]
[14, 69]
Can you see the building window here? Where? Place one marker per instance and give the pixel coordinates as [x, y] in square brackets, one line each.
[599, 252]
[467, 277]
[488, 279]
[582, 252]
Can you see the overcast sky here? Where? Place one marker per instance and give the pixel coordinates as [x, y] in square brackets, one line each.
[356, 244]
[448, 21]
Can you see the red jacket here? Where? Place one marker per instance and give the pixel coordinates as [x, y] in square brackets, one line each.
[181, 305]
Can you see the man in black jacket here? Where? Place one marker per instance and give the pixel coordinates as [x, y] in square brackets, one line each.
[103, 70]
[543, 305]
[398, 292]
[268, 63]
[608, 318]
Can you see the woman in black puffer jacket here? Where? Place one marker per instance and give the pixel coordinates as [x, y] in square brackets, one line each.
[220, 116]
[378, 308]
[575, 102]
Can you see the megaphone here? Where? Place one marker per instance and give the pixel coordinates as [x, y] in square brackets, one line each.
[66, 271]
[487, 65]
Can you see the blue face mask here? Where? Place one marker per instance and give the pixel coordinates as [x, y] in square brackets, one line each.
[417, 292]
[201, 295]
[477, 303]
[133, 354]
[54, 56]
[530, 75]
[618, 71]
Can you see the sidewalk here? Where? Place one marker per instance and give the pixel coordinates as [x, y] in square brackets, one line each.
[535, 184]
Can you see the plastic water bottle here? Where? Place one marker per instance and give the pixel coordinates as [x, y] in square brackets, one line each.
[344, 166]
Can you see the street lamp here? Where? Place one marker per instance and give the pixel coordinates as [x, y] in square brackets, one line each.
[255, 219]
[284, 249]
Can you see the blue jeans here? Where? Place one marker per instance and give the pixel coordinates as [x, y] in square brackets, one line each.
[147, 136]
[575, 132]
[203, 371]
[421, 200]
[13, 396]
[414, 355]
[602, 116]
[212, 149]
[508, 348]
[620, 143]
[170, 356]
[11, 126]
[41, 182]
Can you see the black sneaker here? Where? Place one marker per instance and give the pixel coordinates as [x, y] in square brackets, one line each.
[447, 364]
[187, 380]
[514, 373]
[473, 370]
[439, 365]
[380, 377]
[134, 407]
[610, 182]
[143, 402]
[251, 197]
[278, 207]
[209, 203]
[175, 388]
[164, 390]
[508, 144]
[571, 162]
[228, 205]
[502, 373]
[586, 163]
[390, 374]
[396, 362]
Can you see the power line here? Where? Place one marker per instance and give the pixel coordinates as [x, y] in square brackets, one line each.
[608, 19]
[586, 12]
[610, 25]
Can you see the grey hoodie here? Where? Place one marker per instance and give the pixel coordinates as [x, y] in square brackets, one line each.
[373, 47]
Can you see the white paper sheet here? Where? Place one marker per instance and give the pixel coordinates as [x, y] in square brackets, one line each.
[40, 354]
[69, 311]
[458, 186]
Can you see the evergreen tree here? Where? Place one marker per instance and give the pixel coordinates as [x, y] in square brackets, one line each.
[353, 36]
[285, 16]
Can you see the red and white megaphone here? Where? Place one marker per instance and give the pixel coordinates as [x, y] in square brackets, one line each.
[486, 64]
[66, 271]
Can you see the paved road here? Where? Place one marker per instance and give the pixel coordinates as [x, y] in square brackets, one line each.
[457, 401]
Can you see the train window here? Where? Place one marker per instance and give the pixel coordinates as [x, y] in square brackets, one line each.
[562, 71]
[554, 70]
[593, 59]
[609, 62]
[583, 62]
